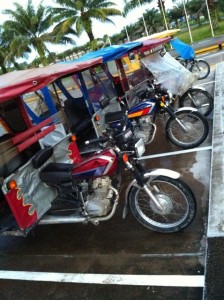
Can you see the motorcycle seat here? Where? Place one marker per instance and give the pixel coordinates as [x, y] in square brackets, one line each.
[42, 156]
[56, 173]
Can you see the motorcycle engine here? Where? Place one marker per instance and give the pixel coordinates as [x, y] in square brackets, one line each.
[144, 129]
[99, 201]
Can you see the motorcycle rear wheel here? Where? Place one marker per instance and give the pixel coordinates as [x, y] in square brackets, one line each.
[201, 68]
[176, 198]
[196, 125]
[203, 101]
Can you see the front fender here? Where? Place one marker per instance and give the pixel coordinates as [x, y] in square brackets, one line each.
[154, 173]
[186, 109]
[198, 87]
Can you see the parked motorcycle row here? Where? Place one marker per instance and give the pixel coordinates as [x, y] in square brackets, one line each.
[187, 58]
[185, 127]
[80, 188]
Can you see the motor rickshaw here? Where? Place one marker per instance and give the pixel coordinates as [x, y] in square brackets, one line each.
[67, 97]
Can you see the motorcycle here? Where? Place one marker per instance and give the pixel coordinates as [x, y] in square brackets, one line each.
[198, 98]
[199, 67]
[186, 127]
[158, 199]
[187, 58]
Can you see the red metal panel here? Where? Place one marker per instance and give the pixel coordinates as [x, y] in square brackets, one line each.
[24, 214]
[17, 83]
[35, 138]
[26, 134]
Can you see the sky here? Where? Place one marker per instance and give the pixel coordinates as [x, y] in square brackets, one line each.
[99, 29]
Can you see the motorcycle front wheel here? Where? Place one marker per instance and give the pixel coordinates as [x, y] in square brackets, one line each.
[201, 68]
[199, 99]
[188, 130]
[177, 202]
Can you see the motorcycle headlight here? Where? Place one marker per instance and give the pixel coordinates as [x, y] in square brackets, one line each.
[139, 147]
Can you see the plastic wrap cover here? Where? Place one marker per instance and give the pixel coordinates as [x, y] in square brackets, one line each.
[169, 72]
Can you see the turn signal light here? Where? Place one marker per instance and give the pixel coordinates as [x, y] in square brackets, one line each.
[73, 138]
[12, 184]
[125, 158]
[97, 117]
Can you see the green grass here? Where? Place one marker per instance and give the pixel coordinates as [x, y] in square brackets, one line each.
[200, 33]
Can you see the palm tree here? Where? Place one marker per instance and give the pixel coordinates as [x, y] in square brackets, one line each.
[81, 13]
[132, 4]
[7, 56]
[4, 50]
[175, 14]
[153, 20]
[212, 4]
[29, 29]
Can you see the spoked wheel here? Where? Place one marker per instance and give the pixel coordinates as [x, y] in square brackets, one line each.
[188, 130]
[201, 68]
[199, 99]
[177, 202]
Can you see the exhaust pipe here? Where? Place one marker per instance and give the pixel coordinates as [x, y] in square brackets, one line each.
[75, 218]
[51, 219]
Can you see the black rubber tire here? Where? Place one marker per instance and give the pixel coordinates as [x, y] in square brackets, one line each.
[196, 124]
[200, 63]
[173, 191]
[204, 101]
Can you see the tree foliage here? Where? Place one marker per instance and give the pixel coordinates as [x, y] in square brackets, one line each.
[29, 29]
[81, 13]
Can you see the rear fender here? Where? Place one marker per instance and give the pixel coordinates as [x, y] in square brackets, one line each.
[153, 173]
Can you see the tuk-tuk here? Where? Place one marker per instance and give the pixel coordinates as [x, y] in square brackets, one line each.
[22, 134]
[42, 107]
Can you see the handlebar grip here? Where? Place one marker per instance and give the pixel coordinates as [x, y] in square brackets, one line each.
[101, 139]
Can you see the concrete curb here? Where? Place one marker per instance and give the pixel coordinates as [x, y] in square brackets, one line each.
[216, 201]
[214, 266]
[211, 48]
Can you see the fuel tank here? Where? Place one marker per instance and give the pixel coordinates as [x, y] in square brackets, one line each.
[142, 109]
[97, 165]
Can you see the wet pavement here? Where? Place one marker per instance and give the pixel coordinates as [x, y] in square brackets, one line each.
[117, 246]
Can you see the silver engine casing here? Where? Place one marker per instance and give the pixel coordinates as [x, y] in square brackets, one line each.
[144, 129]
[98, 203]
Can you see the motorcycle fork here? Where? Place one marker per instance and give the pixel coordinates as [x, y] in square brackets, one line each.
[173, 115]
[194, 101]
[138, 172]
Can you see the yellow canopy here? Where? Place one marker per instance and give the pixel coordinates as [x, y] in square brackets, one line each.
[157, 35]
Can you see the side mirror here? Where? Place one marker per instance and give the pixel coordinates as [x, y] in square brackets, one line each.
[104, 103]
[162, 51]
[131, 55]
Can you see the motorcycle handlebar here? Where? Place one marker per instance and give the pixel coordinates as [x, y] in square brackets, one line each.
[101, 139]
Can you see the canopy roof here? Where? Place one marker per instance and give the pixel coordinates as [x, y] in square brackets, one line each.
[116, 51]
[162, 34]
[17, 83]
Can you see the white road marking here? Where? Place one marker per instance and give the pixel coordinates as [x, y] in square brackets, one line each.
[204, 83]
[174, 153]
[141, 280]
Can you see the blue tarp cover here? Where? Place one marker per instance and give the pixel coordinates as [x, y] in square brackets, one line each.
[110, 53]
[117, 51]
[184, 50]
